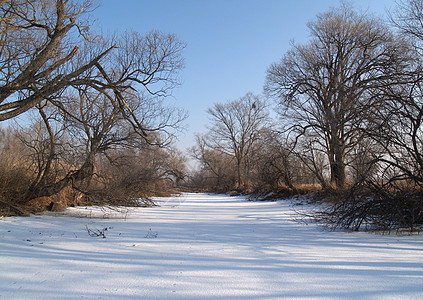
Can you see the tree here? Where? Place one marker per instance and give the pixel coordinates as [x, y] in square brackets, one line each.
[125, 175]
[327, 86]
[274, 162]
[115, 105]
[390, 195]
[51, 62]
[217, 169]
[408, 18]
[398, 128]
[235, 129]
[38, 43]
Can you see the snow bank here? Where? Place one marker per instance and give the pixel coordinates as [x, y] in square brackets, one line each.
[201, 246]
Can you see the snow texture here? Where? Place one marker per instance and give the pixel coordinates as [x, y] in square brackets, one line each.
[201, 246]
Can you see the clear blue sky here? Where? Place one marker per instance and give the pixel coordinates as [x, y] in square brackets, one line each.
[230, 43]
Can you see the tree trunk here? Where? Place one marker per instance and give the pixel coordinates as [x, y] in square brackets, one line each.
[337, 165]
[46, 190]
[238, 169]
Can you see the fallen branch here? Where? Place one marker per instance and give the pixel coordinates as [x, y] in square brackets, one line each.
[20, 211]
[97, 232]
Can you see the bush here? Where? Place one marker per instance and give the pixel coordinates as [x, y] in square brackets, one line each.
[375, 207]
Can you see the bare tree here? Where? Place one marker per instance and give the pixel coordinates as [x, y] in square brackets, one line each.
[326, 87]
[235, 129]
[408, 18]
[116, 104]
[389, 196]
[400, 125]
[217, 169]
[125, 175]
[396, 128]
[38, 43]
[274, 161]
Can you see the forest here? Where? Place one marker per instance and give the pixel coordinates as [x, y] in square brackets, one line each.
[348, 131]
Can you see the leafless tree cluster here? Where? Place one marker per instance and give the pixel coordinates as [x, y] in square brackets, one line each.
[227, 150]
[329, 86]
[93, 98]
[350, 101]
[352, 96]
[243, 152]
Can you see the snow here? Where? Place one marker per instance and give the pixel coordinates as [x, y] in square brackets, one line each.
[201, 246]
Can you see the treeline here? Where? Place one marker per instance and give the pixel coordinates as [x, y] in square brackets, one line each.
[350, 109]
[243, 152]
[98, 129]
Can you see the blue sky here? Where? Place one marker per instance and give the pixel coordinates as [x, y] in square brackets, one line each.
[230, 43]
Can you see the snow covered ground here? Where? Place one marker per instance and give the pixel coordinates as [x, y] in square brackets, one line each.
[201, 246]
